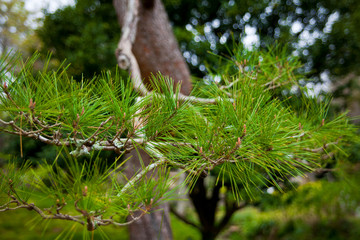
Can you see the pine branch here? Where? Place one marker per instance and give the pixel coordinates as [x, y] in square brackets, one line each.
[92, 219]
[124, 145]
[32, 206]
[251, 133]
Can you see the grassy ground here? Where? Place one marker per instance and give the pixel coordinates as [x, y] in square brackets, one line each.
[23, 224]
[249, 223]
[26, 225]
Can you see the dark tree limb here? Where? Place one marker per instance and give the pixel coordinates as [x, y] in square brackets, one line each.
[230, 209]
[183, 218]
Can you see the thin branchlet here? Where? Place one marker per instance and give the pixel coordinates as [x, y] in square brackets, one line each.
[92, 220]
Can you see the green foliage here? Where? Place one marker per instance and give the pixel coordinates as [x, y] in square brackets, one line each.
[257, 132]
[85, 35]
[14, 25]
[203, 25]
[182, 231]
[332, 200]
[315, 210]
[253, 224]
[334, 52]
[57, 229]
[90, 186]
[251, 137]
[68, 31]
[24, 224]
[57, 97]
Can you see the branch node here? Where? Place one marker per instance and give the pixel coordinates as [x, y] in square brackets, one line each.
[123, 61]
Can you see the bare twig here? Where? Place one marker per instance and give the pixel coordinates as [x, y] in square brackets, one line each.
[193, 99]
[320, 149]
[230, 85]
[92, 219]
[138, 176]
[124, 54]
[5, 89]
[93, 136]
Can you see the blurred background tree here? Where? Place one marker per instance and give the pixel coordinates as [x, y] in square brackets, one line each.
[85, 34]
[14, 30]
[14, 25]
[314, 30]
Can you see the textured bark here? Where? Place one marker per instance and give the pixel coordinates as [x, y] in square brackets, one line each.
[156, 50]
[155, 225]
[206, 208]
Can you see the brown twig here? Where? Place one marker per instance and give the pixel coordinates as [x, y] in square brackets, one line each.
[320, 149]
[92, 220]
[96, 133]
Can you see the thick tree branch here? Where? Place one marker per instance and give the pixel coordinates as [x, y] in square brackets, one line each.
[183, 218]
[124, 55]
[230, 209]
[127, 60]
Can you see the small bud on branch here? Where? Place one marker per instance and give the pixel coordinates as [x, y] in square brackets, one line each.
[85, 191]
[238, 143]
[32, 104]
[244, 131]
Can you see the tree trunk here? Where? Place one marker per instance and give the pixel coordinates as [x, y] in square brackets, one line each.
[155, 225]
[205, 208]
[156, 50]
